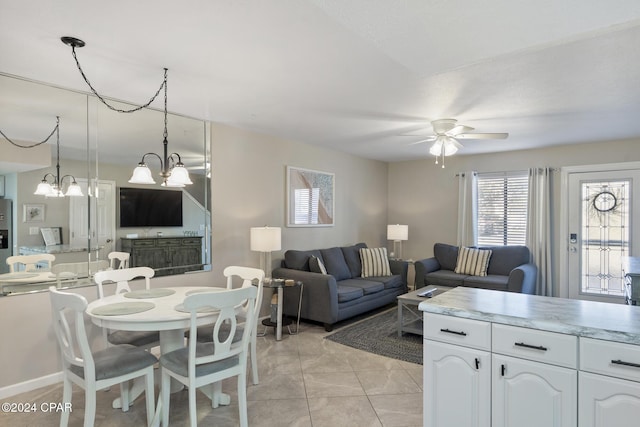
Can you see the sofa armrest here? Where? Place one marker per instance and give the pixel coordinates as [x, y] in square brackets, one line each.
[523, 279]
[400, 267]
[319, 296]
[422, 267]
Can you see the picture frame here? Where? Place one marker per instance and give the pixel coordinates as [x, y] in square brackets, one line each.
[310, 198]
[51, 235]
[33, 212]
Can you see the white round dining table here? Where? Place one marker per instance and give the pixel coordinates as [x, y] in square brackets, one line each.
[165, 316]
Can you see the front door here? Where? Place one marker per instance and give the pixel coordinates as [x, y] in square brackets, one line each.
[99, 216]
[601, 206]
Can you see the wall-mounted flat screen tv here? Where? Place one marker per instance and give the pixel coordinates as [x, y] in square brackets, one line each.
[142, 207]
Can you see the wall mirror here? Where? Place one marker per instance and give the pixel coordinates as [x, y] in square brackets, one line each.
[100, 148]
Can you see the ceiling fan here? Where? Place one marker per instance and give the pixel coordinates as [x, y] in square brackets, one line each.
[447, 134]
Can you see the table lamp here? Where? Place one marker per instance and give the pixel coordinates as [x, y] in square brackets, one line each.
[264, 240]
[397, 233]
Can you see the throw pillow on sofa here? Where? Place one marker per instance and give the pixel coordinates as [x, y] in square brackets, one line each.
[473, 261]
[316, 265]
[374, 262]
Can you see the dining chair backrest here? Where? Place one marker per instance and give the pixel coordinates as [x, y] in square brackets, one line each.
[250, 277]
[68, 324]
[122, 278]
[225, 327]
[29, 262]
[118, 260]
[69, 271]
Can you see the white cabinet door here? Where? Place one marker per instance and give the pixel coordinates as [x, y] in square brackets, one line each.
[457, 386]
[607, 402]
[532, 394]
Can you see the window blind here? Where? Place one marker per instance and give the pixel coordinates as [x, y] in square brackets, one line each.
[502, 200]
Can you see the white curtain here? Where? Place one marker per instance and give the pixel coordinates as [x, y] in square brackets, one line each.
[467, 211]
[539, 227]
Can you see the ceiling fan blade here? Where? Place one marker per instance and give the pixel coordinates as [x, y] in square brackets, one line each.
[482, 136]
[431, 138]
[456, 143]
[459, 129]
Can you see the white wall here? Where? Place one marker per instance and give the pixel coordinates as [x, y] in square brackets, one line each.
[425, 196]
[248, 189]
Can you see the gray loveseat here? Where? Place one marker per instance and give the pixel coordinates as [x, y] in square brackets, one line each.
[509, 270]
[342, 292]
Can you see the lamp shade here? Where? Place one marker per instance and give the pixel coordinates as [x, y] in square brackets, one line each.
[397, 232]
[266, 239]
[74, 190]
[44, 189]
[142, 175]
[179, 176]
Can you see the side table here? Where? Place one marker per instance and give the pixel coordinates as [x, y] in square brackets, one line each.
[280, 285]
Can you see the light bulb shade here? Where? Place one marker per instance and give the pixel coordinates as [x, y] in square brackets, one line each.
[436, 148]
[397, 232]
[266, 239]
[74, 190]
[55, 192]
[179, 176]
[142, 175]
[43, 189]
[450, 148]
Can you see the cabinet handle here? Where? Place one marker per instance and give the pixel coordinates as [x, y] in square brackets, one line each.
[621, 362]
[503, 369]
[477, 363]
[535, 347]
[449, 331]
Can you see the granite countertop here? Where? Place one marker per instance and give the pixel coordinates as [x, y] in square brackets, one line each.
[613, 322]
[54, 249]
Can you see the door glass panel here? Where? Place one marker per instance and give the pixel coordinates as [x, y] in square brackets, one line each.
[605, 235]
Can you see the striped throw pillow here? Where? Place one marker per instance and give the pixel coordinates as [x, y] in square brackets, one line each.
[374, 262]
[473, 261]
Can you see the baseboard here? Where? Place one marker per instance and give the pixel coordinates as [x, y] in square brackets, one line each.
[30, 385]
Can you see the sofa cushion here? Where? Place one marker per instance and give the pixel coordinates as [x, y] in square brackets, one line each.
[349, 293]
[446, 255]
[316, 265]
[299, 260]
[374, 262]
[335, 263]
[473, 261]
[506, 258]
[494, 282]
[389, 282]
[444, 278]
[352, 257]
[367, 286]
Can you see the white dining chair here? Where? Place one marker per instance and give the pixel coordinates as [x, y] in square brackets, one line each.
[250, 277]
[225, 356]
[99, 370]
[122, 279]
[67, 272]
[118, 260]
[30, 262]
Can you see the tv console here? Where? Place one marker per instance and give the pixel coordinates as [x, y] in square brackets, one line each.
[166, 255]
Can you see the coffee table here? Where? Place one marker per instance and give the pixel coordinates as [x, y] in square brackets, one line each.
[409, 317]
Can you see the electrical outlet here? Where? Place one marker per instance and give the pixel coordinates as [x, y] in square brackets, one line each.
[33, 231]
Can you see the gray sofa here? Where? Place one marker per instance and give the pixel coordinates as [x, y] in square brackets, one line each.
[509, 270]
[342, 292]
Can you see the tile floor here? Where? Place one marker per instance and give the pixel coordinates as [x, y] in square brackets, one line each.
[305, 380]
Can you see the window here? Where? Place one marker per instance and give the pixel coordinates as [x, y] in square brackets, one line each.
[501, 203]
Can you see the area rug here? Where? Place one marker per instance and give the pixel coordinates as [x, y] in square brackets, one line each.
[378, 334]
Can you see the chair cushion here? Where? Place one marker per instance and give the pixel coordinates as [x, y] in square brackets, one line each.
[135, 338]
[316, 265]
[446, 255]
[389, 282]
[205, 333]
[374, 262]
[177, 361]
[495, 282]
[367, 286]
[444, 278]
[348, 293]
[299, 260]
[118, 360]
[335, 263]
[473, 261]
[352, 257]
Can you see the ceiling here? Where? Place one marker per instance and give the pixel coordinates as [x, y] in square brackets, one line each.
[352, 75]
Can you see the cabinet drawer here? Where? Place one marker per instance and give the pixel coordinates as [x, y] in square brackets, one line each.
[191, 242]
[169, 242]
[456, 330]
[143, 243]
[610, 358]
[531, 344]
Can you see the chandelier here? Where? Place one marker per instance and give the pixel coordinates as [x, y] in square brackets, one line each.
[172, 170]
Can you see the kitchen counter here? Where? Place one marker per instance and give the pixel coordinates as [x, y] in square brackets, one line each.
[51, 249]
[612, 322]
